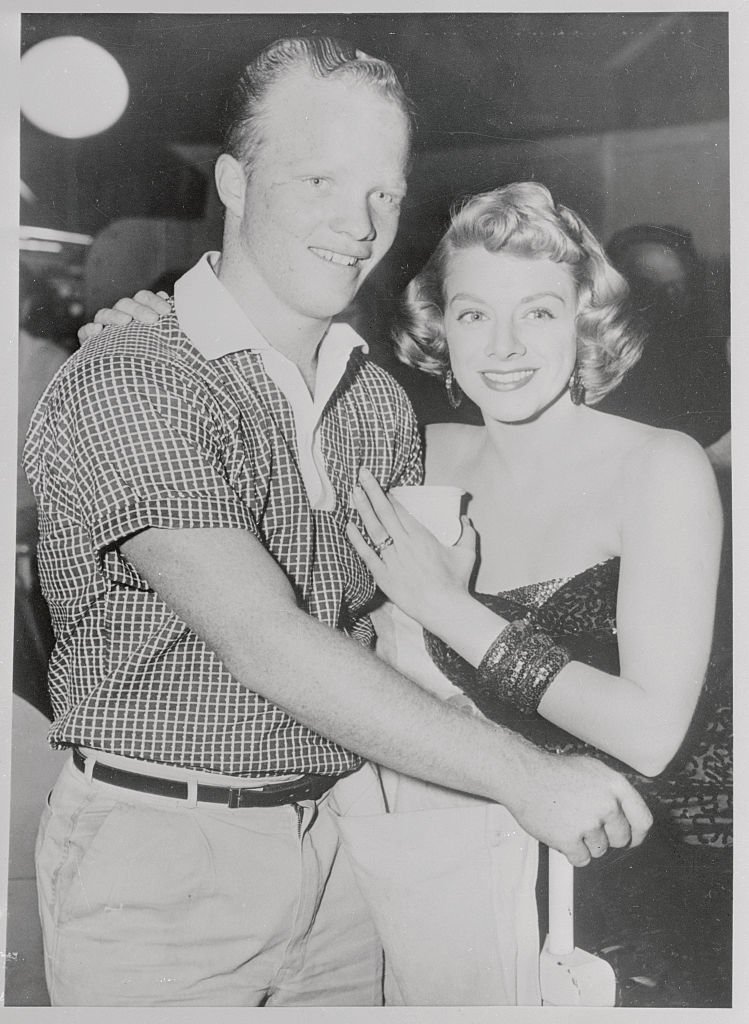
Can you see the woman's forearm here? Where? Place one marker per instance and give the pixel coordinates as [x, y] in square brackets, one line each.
[640, 726]
[636, 723]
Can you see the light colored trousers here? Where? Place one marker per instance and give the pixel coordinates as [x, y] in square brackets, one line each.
[147, 901]
[451, 883]
[450, 878]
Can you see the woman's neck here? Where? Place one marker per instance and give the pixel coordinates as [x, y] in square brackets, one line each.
[548, 442]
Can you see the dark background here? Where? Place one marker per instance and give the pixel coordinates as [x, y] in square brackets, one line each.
[474, 77]
[623, 115]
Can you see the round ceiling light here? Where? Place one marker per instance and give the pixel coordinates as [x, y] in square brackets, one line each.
[72, 87]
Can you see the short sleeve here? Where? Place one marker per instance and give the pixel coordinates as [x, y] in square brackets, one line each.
[144, 443]
[410, 461]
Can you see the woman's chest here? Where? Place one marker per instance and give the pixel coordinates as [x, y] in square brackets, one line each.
[549, 533]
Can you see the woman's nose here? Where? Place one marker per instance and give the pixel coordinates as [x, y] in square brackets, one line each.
[504, 341]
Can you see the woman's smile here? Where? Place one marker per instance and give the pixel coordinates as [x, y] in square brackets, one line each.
[506, 380]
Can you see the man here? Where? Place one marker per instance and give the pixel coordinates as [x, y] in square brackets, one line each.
[193, 479]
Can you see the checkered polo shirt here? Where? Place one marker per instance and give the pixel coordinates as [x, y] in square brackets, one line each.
[140, 430]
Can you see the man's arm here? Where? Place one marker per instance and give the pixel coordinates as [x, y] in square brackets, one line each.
[230, 591]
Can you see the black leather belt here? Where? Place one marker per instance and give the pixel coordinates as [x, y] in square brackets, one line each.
[309, 787]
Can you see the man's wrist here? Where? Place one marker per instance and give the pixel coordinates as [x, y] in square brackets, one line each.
[518, 766]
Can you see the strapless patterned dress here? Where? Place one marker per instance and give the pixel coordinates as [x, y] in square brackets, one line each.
[693, 795]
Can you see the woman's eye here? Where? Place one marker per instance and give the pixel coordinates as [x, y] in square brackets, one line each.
[315, 182]
[540, 314]
[471, 316]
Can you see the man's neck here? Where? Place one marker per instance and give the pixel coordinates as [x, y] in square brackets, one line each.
[297, 337]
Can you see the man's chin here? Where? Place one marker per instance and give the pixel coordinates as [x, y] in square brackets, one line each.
[331, 305]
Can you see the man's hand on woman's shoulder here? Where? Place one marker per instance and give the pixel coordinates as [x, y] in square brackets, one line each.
[144, 306]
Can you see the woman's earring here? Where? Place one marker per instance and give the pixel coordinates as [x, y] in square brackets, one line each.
[454, 394]
[577, 388]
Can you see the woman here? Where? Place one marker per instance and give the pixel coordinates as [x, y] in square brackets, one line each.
[587, 615]
[519, 307]
[590, 614]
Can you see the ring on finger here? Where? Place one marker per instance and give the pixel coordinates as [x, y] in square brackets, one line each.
[379, 548]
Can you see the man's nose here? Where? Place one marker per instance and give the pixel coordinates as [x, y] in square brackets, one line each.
[353, 216]
[504, 340]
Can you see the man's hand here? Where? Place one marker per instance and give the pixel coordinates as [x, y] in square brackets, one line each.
[145, 307]
[580, 807]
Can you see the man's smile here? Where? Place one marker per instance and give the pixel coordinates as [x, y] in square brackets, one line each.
[340, 258]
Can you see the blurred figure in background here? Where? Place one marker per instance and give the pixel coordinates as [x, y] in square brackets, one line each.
[41, 352]
[682, 380]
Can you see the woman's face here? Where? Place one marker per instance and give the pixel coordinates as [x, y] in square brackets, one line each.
[510, 328]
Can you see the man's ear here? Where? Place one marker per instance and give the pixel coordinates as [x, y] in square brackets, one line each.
[231, 182]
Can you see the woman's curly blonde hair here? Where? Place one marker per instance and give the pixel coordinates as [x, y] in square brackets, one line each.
[522, 219]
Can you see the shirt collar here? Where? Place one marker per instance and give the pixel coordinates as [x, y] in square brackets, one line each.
[217, 325]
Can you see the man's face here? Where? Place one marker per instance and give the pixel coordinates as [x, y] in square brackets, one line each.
[323, 198]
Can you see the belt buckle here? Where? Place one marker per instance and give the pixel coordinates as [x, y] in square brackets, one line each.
[234, 798]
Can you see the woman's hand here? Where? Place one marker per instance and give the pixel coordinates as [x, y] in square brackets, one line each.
[419, 574]
[145, 307]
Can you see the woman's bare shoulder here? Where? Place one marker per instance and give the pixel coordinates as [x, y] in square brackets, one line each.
[640, 443]
[449, 445]
[659, 462]
[661, 449]
[636, 460]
